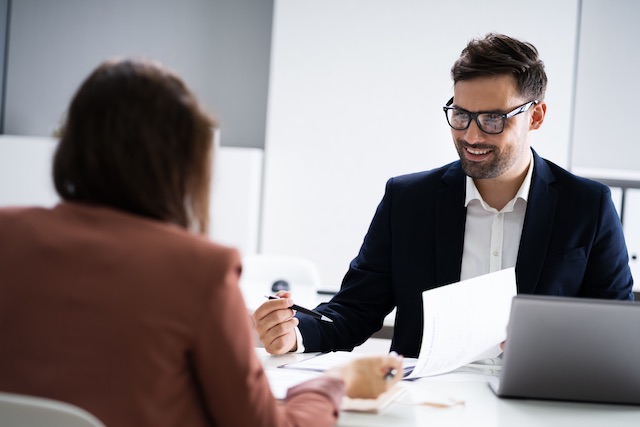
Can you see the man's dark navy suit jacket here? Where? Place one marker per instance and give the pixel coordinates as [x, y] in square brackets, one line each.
[572, 244]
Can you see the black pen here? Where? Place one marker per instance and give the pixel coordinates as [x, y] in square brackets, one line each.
[391, 374]
[311, 313]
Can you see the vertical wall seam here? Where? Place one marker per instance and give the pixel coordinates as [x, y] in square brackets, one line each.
[263, 187]
[5, 68]
[574, 88]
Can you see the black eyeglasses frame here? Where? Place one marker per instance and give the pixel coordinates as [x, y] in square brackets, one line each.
[474, 116]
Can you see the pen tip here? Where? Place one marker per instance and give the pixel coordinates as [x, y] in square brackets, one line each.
[391, 374]
[326, 319]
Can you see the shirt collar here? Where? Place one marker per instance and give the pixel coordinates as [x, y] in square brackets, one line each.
[472, 193]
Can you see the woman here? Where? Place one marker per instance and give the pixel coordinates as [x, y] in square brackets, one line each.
[115, 301]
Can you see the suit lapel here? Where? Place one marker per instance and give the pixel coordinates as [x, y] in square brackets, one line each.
[538, 223]
[450, 222]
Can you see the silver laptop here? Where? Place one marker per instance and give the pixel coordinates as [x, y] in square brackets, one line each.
[572, 349]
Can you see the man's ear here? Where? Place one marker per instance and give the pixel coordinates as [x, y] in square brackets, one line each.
[537, 115]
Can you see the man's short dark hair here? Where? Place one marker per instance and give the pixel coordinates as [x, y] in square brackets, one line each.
[498, 54]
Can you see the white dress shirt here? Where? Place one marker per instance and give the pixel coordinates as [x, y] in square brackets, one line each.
[492, 237]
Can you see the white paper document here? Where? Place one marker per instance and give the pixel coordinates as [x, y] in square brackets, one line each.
[281, 380]
[464, 322]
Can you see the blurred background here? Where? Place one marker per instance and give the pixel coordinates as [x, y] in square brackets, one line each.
[321, 101]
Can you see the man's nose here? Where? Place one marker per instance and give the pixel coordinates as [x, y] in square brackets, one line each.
[473, 133]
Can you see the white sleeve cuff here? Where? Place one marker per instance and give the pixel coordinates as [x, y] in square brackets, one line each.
[299, 341]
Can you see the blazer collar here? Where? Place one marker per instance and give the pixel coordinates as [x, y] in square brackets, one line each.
[450, 222]
[538, 223]
[536, 232]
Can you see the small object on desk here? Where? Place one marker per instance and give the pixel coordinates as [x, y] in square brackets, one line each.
[311, 313]
[438, 405]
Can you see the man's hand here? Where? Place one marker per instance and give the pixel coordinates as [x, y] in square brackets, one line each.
[275, 324]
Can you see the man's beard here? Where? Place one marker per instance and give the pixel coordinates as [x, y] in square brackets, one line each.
[498, 164]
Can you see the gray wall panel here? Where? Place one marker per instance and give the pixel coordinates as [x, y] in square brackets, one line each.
[221, 48]
[4, 19]
[607, 86]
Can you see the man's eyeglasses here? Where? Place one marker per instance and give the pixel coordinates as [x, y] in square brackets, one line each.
[492, 123]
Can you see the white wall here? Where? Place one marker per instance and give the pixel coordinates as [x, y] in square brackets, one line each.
[356, 95]
[25, 171]
[236, 197]
[25, 179]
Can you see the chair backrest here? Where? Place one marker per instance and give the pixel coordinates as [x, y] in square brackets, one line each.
[260, 273]
[18, 410]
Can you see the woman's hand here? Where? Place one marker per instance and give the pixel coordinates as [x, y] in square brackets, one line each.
[369, 376]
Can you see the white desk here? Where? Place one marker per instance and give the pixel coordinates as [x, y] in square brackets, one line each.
[481, 407]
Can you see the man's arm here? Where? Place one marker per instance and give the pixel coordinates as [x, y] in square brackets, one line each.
[365, 297]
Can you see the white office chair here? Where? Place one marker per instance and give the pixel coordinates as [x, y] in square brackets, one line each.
[265, 274]
[18, 410]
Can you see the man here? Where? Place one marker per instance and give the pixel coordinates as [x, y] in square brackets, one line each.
[501, 205]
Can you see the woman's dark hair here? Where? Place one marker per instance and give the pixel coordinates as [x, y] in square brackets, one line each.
[497, 54]
[136, 139]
